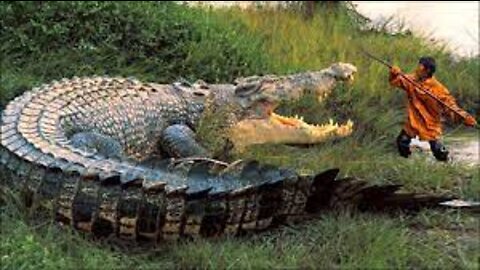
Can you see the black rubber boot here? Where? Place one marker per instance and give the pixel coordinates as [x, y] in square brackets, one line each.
[439, 151]
[403, 144]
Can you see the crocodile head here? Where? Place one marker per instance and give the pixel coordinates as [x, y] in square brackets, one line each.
[275, 89]
[258, 97]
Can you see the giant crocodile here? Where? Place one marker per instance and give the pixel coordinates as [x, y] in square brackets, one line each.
[116, 156]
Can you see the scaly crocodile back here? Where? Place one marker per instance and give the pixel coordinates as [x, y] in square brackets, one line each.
[162, 200]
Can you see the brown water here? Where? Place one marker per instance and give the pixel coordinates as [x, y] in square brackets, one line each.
[464, 149]
[456, 23]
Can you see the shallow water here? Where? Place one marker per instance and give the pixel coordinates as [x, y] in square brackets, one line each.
[456, 23]
[463, 150]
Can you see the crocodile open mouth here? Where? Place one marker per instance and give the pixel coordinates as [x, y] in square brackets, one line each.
[272, 128]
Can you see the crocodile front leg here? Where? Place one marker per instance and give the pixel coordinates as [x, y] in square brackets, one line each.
[98, 144]
[179, 141]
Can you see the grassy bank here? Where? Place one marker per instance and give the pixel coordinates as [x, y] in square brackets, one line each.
[161, 42]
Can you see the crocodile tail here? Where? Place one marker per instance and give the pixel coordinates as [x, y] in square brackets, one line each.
[358, 194]
[253, 198]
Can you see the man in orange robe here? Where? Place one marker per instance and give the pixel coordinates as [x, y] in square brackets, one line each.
[423, 112]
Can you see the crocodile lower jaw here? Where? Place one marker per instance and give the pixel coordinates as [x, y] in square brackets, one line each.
[278, 129]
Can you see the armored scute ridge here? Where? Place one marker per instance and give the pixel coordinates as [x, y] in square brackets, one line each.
[108, 156]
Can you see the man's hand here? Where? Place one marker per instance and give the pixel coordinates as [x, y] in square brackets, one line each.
[470, 121]
[395, 70]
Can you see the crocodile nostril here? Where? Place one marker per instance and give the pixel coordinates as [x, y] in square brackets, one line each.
[199, 94]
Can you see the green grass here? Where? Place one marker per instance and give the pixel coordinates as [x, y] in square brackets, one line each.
[122, 39]
[431, 240]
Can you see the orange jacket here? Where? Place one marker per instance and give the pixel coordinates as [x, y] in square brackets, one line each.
[423, 112]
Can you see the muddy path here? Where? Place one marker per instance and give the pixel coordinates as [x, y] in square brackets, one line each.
[464, 147]
[465, 151]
